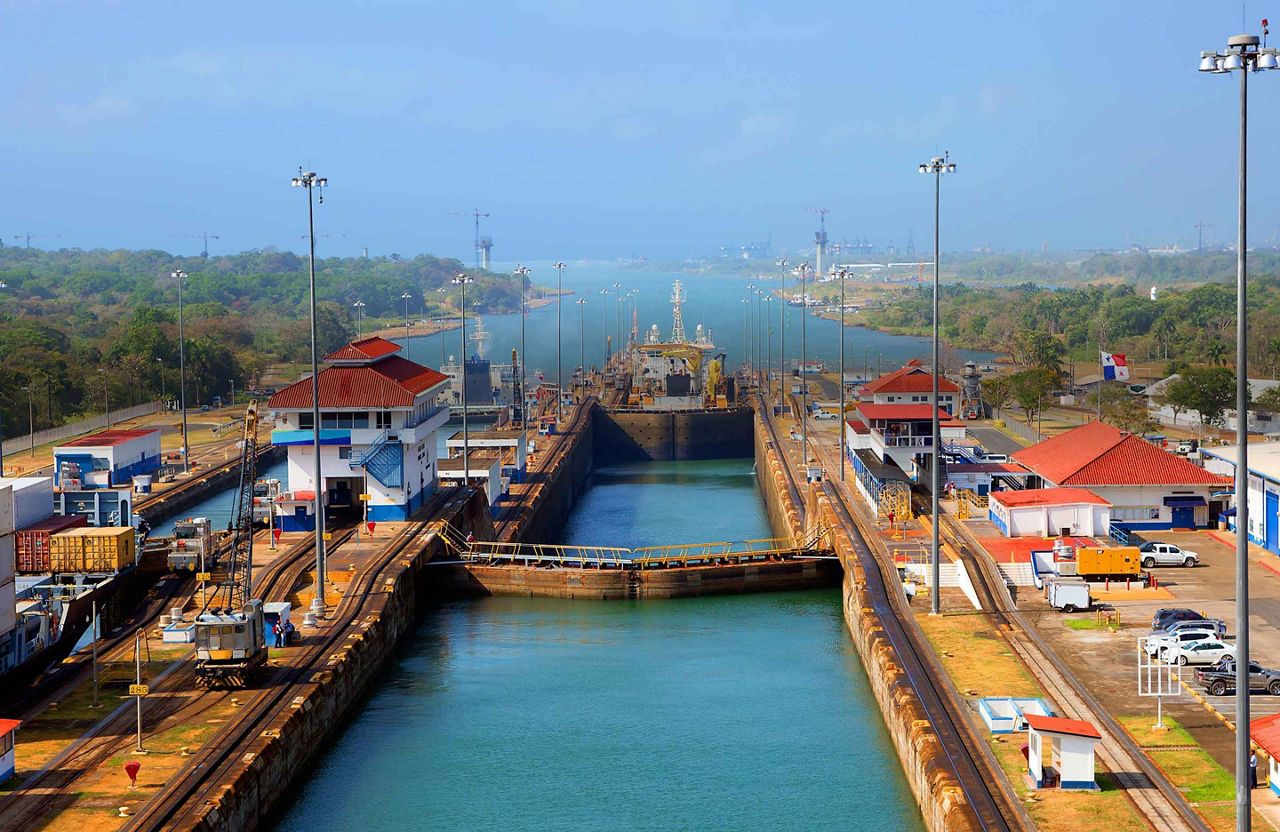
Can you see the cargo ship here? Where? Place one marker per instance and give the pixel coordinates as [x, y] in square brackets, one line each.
[677, 372]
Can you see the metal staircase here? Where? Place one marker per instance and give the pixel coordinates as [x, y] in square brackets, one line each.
[383, 460]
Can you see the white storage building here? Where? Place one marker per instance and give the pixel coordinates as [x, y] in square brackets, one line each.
[1045, 512]
[106, 459]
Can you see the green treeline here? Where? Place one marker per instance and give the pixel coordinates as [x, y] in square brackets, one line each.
[78, 326]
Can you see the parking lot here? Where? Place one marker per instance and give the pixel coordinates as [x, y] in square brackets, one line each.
[1107, 662]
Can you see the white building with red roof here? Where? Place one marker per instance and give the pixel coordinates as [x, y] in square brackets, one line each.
[1060, 753]
[911, 384]
[378, 421]
[901, 434]
[1045, 512]
[101, 460]
[1148, 487]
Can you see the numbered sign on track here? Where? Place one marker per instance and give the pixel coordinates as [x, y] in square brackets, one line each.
[139, 690]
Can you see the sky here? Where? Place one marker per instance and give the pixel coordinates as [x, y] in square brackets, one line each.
[662, 129]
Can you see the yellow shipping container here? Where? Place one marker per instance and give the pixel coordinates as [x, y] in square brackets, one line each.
[66, 551]
[90, 549]
[1113, 560]
[108, 549]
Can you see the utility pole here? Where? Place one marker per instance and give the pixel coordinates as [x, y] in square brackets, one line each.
[182, 376]
[804, 360]
[522, 274]
[408, 350]
[841, 275]
[461, 280]
[559, 267]
[782, 338]
[582, 362]
[314, 183]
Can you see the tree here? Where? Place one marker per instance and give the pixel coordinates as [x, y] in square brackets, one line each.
[1216, 351]
[1268, 399]
[997, 392]
[1207, 390]
[1029, 389]
[1130, 413]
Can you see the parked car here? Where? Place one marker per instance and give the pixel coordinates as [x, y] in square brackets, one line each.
[986, 457]
[1159, 553]
[1220, 678]
[1218, 626]
[1206, 651]
[1172, 615]
[1159, 644]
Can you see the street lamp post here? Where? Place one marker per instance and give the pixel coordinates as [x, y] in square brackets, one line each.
[617, 294]
[313, 183]
[407, 329]
[937, 166]
[444, 342]
[522, 274]
[782, 337]
[582, 361]
[461, 280]
[182, 376]
[750, 333]
[746, 338]
[842, 274]
[106, 402]
[759, 336]
[359, 307]
[768, 342]
[604, 328]
[804, 359]
[1243, 54]
[559, 267]
[31, 417]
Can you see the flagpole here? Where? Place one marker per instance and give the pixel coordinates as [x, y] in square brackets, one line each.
[1100, 379]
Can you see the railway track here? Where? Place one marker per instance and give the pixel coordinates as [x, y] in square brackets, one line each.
[510, 514]
[971, 763]
[1151, 792]
[184, 795]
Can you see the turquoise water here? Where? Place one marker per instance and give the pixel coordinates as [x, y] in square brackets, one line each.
[730, 713]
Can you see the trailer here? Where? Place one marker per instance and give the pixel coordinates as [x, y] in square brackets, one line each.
[1068, 594]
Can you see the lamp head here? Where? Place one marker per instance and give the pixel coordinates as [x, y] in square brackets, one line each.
[1233, 61]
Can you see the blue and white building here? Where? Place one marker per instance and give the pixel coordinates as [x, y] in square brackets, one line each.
[378, 420]
[107, 459]
[1264, 488]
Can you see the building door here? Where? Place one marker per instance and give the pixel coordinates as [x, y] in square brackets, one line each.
[1184, 517]
[1272, 521]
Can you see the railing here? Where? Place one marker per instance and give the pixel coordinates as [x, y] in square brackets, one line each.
[906, 441]
[430, 413]
[369, 451]
[613, 557]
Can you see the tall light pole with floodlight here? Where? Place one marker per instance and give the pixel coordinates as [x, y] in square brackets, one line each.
[750, 330]
[407, 331]
[804, 360]
[1244, 54]
[938, 165]
[359, 307]
[604, 327]
[31, 416]
[559, 267]
[179, 275]
[522, 274]
[582, 361]
[461, 280]
[782, 336]
[768, 342]
[841, 275]
[314, 185]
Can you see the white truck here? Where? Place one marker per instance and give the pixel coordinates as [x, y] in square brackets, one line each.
[1068, 594]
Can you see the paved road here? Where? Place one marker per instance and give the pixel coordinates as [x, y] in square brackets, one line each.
[994, 440]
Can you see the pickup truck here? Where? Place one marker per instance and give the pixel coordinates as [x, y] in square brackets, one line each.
[1158, 553]
[1220, 678]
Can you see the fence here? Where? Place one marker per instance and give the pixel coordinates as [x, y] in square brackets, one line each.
[1022, 429]
[14, 444]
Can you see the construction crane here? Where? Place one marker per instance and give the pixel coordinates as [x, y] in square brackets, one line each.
[27, 235]
[231, 641]
[204, 237]
[1200, 227]
[475, 212]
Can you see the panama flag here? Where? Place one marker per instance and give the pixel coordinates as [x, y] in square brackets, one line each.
[1114, 366]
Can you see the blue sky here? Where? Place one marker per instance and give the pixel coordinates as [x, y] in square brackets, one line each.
[601, 129]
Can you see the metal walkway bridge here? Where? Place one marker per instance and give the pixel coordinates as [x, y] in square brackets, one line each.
[678, 555]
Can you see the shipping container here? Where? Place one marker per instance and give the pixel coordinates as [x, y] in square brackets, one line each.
[109, 549]
[6, 558]
[66, 551]
[33, 541]
[1115, 561]
[6, 508]
[8, 608]
[32, 499]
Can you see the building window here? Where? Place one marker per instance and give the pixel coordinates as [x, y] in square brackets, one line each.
[383, 419]
[344, 420]
[306, 421]
[344, 452]
[1135, 513]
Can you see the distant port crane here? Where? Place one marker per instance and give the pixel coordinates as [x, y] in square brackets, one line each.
[27, 235]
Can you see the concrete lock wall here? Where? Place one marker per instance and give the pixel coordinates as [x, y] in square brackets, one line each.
[673, 435]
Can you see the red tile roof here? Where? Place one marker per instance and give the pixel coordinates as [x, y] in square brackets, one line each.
[1059, 725]
[909, 379]
[108, 437]
[7, 725]
[857, 427]
[392, 382]
[366, 349]
[1099, 454]
[1265, 731]
[1047, 497]
[901, 412]
[986, 468]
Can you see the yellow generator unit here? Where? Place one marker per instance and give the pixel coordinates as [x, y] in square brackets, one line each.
[1111, 562]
